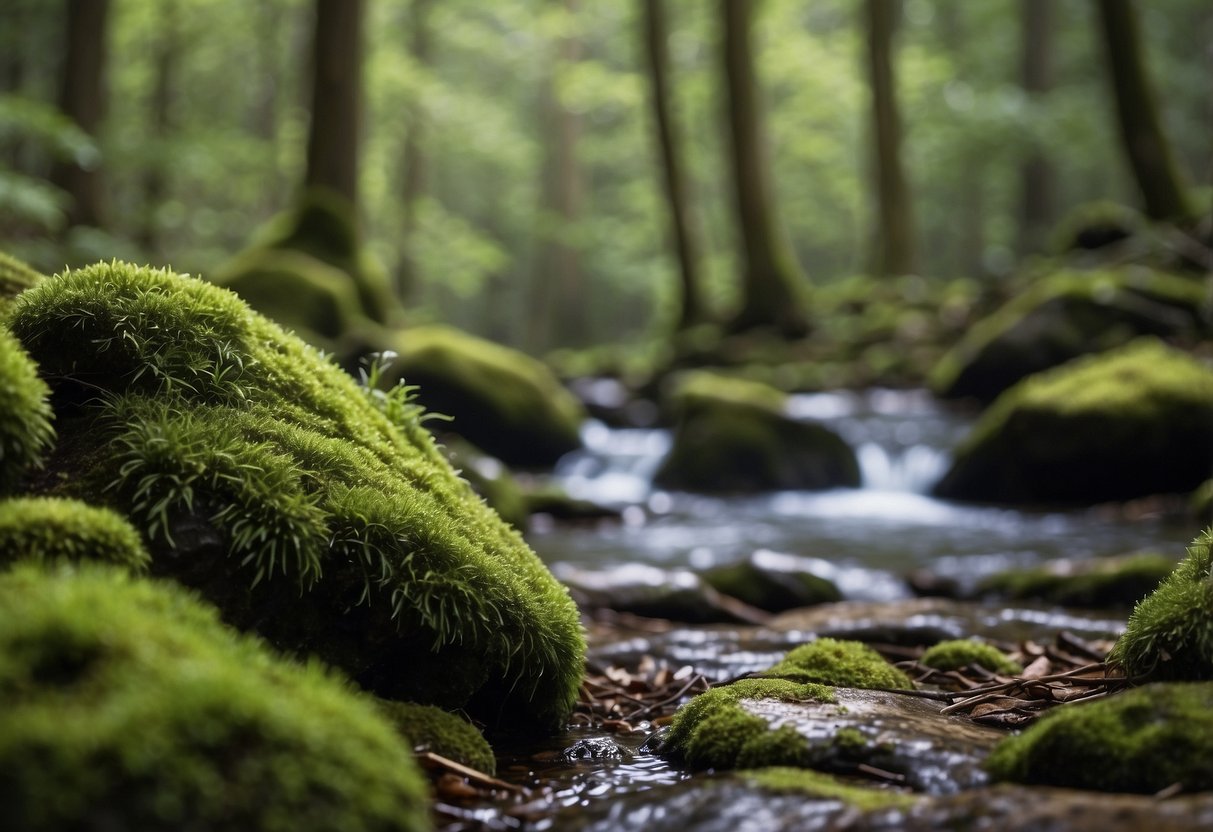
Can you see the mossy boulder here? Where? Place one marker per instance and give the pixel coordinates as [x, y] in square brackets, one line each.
[49, 530]
[1132, 422]
[312, 510]
[957, 654]
[15, 277]
[25, 414]
[428, 728]
[1170, 632]
[499, 399]
[1105, 582]
[1066, 315]
[734, 436]
[1143, 740]
[490, 478]
[771, 589]
[847, 664]
[126, 704]
[1096, 225]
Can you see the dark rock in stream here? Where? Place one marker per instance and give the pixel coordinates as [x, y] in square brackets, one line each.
[737, 804]
[674, 595]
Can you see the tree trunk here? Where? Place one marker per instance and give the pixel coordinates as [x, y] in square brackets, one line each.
[414, 161]
[1036, 76]
[558, 308]
[1145, 145]
[160, 118]
[895, 233]
[82, 99]
[682, 232]
[770, 279]
[332, 147]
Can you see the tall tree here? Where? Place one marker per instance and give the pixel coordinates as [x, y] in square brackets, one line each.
[166, 52]
[413, 155]
[332, 146]
[558, 308]
[82, 98]
[1036, 76]
[682, 230]
[894, 250]
[1142, 138]
[771, 279]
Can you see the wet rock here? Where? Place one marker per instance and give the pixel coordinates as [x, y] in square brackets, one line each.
[596, 748]
[1117, 582]
[674, 595]
[734, 436]
[763, 581]
[1128, 423]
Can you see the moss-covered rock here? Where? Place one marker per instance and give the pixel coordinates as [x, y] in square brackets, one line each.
[15, 277]
[846, 664]
[127, 705]
[957, 654]
[1201, 502]
[1066, 315]
[499, 399]
[1128, 423]
[1170, 632]
[1096, 225]
[490, 478]
[25, 414]
[428, 728]
[733, 435]
[312, 510]
[1105, 582]
[1143, 740]
[48, 530]
[770, 589]
[817, 785]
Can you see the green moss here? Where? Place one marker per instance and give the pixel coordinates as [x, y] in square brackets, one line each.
[1131, 422]
[957, 654]
[499, 399]
[1094, 225]
[1201, 502]
[1062, 316]
[127, 705]
[1143, 740]
[1170, 632]
[770, 589]
[15, 277]
[1108, 582]
[815, 784]
[25, 414]
[315, 511]
[845, 664]
[690, 716]
[491, 479]
[47, 530]
[429, 728]
[733, 435]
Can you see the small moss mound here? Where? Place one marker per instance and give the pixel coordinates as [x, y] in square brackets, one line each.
[429, 728]
[499, 399]
[844, 664]
[959, 653]
[1095, 225]
[25, 414]
[821, 786]
[1143, 741]
[1127, 423]
[15, 277]
[1170, 632]
[127, 705]
[317, 512]
[46, 529]
[1107, 582]
[733, 435]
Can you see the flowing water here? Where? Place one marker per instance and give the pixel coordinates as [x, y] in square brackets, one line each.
[866, 539]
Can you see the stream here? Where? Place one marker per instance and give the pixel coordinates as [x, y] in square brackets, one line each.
[866, 540]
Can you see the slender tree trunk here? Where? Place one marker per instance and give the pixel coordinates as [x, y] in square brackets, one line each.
[682, 231]
[895, 235]
[771, 279]
[160, 117]
[1145, 145]
[332, 147]
[414, 161]
[82, 98]
[558, 310]
[1036, 76]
